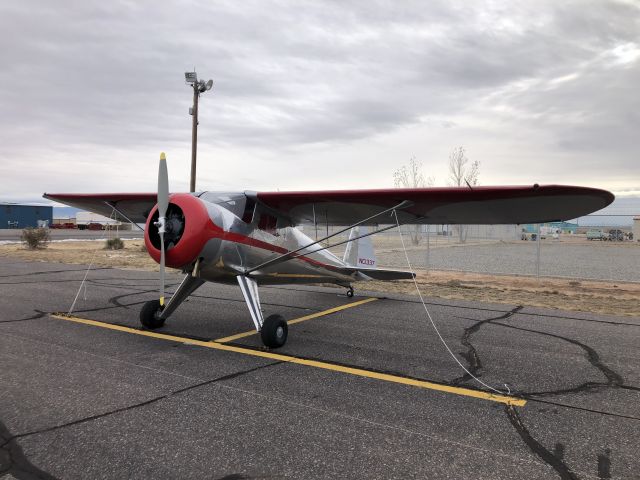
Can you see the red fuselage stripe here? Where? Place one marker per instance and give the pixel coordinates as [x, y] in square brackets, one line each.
[253, 242]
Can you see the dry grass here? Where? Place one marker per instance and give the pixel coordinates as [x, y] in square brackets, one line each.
[585, 296]
[133, 255]
[565, 294]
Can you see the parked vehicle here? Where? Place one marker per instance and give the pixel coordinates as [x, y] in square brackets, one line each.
[90, 226]
[616, 235]
[63, 225]
[596, 235]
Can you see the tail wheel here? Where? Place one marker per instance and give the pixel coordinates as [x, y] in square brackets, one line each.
[274, 331]
[150, 315]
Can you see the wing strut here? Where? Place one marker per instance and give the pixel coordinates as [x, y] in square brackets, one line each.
[292, 254]
[117, 210]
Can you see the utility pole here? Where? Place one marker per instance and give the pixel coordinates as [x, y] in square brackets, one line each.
[199, 86]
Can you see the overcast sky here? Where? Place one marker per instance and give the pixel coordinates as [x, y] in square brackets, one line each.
[317, 95]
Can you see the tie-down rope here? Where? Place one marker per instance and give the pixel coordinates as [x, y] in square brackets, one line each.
[415, 282]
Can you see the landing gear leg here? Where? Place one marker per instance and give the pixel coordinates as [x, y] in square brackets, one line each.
[273, 329]
[350, 292]
[153, 315]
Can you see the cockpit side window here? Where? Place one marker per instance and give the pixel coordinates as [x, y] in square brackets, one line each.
[249, 208]
[268, 223]
[234, 202]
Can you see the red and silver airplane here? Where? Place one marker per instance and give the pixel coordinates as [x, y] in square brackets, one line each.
[251, 238]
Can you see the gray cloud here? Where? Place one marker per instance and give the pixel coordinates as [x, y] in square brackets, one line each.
[109, 74]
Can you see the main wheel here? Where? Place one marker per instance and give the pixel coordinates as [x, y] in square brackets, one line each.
[274, 331]
[350, 292]
[150, 315]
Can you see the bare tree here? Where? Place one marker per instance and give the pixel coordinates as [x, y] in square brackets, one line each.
[462, 173]
[410, 176]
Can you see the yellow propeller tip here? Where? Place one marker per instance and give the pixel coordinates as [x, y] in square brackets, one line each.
[163, 156]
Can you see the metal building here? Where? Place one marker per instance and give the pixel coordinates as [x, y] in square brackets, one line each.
[15, 215]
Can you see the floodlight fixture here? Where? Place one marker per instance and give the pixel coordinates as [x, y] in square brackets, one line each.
[203, 87]
[190, 77]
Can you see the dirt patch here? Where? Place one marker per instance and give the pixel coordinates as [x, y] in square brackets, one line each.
[586, 296]
[133, 255]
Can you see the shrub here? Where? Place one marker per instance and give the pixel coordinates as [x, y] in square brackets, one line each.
[35, 237]
[114, 244]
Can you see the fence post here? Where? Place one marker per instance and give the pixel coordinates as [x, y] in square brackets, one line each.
[538, 254]
[428, 246]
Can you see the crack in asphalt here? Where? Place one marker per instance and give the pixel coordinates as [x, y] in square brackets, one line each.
[39, 314]
[239, 476]
[52, 271]
[116, 300]
[583, 409]
[614, 379]
[554, 459]
[13, 460]
[630, 387]
[98, 282]
[471, 355]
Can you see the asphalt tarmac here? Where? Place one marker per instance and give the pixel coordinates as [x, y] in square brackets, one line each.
[359, 391]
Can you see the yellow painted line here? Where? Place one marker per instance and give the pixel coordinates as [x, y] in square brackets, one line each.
[298, 320]
[519, 402]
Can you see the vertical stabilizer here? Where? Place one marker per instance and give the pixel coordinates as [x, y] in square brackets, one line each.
[359, 253]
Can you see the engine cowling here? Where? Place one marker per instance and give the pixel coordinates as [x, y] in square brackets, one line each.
[188, 229]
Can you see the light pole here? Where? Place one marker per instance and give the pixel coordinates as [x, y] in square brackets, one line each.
[199, 86]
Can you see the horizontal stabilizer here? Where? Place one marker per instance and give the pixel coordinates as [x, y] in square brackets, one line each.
[377, 273]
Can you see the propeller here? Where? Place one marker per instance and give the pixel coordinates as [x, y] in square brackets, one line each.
[163, 204]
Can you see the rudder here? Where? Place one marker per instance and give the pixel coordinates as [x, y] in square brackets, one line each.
[359, 253]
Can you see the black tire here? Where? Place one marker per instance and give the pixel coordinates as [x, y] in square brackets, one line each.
[149, 315]
[274, 331]
[350, 292]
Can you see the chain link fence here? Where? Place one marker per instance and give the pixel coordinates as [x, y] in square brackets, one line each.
[510, 250]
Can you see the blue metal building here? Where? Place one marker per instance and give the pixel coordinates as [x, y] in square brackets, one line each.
[15, 215]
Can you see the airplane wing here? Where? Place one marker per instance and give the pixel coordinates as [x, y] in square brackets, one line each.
[133, 206]
[476, 205]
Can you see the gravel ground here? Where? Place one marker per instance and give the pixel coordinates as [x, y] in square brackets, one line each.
[569, 258]
[585, 261]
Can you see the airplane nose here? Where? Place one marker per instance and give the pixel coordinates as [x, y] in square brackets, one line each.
[189, 227]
